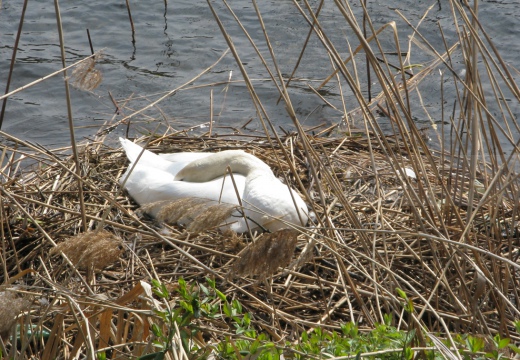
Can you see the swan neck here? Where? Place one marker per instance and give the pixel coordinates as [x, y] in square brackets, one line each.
[215, 165]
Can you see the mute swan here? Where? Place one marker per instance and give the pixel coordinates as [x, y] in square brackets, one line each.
[200, 175]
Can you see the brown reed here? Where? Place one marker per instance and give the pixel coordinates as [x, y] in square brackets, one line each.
[391, 210]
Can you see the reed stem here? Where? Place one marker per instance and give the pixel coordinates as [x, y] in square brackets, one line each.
[71, 121]
[13, 58]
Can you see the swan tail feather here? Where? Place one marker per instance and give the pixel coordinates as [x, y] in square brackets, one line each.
[133, 151]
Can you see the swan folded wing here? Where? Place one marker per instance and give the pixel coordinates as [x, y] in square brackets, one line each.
[184, 157]
[143, 183]
[268, 202]
[197, 214]
[146, 185]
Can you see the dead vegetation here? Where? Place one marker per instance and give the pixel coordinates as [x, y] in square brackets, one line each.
[94, 249]
[381, 233]
[392, 212]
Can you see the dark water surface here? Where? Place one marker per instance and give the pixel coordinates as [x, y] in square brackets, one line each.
[176, 42]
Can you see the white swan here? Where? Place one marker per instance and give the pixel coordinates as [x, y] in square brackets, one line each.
[267, 202]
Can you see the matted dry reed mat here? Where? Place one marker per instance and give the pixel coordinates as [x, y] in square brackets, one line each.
[364, 244]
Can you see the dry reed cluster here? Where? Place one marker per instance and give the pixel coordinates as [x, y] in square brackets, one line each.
[392, 212]
[364, 244]
[94, 249]
[266, 254]
[11, 305]
[85, 76]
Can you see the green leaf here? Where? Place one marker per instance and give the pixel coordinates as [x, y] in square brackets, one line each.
[215, 311]
[475, 344]
[156, 330]
[174, 315]
[159, 289]
[211, 283]
[514, 348]
[165, 291]
[186, 306]
[401, 293]
[161, 314]
[409, 306]
[227, 309]
[246, 320]
[152, 356]
[254, 346]
[185, 341]
[182, 289]
[196, 308]
[204, 289]
[387, 318]
[408, 337]
[503, 343]
[492, 354]
[221, 295]
[159, 344]
[350, 329]
[237, 306]
[517, 326]
[408, 353]
[305, 336]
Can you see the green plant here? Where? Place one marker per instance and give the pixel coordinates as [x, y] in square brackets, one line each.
[205, 301]
[198, 303]
[176, 321]
[499, 344]
[395, 343]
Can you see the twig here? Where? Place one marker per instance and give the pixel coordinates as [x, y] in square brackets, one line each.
[13, 58]
[71, 122]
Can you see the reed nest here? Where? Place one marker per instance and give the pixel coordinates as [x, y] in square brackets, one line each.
[378, 227]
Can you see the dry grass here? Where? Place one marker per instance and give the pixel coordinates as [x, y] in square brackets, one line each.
[341, 270]
[94, 249]
[11, 305]
[391, 212]
[85, 76]
[265, 255]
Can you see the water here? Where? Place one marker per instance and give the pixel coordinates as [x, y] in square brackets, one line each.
[176, 42]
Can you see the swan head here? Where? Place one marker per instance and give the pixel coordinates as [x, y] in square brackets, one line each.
[215, 165]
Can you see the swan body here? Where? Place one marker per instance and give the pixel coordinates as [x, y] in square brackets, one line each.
[267, 202]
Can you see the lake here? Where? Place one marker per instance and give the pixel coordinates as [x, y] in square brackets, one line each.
[178, 40]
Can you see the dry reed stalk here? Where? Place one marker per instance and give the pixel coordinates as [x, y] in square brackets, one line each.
[405, 255]
[69, 115]
[13, 58]
[391, 213]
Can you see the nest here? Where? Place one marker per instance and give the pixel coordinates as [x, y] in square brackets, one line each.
[380, 225]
